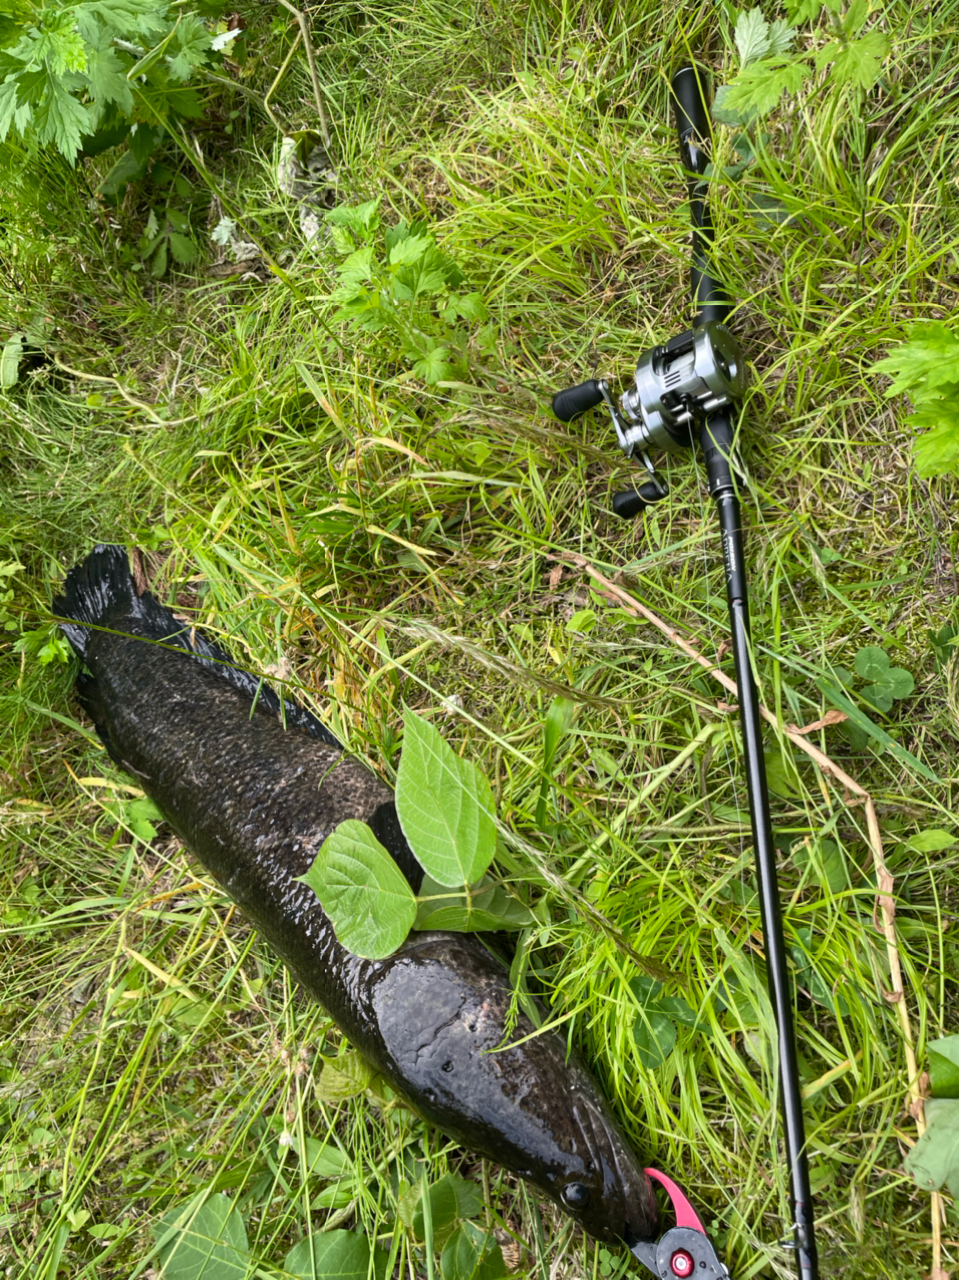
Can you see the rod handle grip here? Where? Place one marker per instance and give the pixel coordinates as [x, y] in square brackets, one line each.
[571, 402]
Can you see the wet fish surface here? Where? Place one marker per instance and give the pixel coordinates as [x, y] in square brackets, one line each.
[253, 785]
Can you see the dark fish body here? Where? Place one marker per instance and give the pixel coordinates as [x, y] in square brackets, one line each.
[254, 800]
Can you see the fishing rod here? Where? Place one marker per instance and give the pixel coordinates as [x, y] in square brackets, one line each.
[687, 390]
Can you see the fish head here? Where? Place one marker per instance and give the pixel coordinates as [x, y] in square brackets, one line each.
[454, 1047]
[583, 1160]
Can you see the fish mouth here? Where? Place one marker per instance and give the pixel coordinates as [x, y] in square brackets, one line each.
[629, 1210]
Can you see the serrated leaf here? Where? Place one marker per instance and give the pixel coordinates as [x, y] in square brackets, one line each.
[434, 366]
[445, 807]
[759, 87]
[191, 43]
[203, 1241]
[158, 265]
[108, 82]
[361, 218]
[781, 36]
[872, 663]
[859, 62]
[936, 451]
[182, 248]
[336, 1255]
[929, 357]
[934, 1160]
[10, 361]
[752, 36]
[59, 118]
[409, 250]
[362, 890]
[726, 114]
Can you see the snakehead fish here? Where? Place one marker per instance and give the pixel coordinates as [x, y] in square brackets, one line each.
[253, 785]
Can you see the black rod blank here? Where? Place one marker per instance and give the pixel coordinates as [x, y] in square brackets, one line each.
[716, 437]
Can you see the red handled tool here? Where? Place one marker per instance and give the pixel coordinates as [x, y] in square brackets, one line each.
[685, 1250]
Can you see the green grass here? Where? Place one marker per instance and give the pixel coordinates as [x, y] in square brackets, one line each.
[374, 541]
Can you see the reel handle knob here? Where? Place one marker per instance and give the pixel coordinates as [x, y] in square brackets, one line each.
[573, 401]
[632, 502]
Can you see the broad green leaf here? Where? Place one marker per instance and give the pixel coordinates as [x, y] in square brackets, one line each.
[878, 696]
[362, 890]
[932, 841]
[781, 36]
[468, 306]
[680, 1009]
[471, 1254]
[10, 361]
[944, 1067]
[322, 1159]
[826, 860]
[346, 1076]
[336, 1255]
[451, 1198]
[486, 908]
[929, 358]
[655, 1036]
[582, 621]
[899, 682]
[127, 169]
[934, 1160]
[203, 1240]
[724, 113]
[445, 807]
[159, 264]
[871, 663]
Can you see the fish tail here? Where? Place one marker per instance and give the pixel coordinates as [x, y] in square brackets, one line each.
[100, 594]
[98, 586]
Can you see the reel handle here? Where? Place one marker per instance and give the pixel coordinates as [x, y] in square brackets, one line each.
[573, 401]
[633, 502]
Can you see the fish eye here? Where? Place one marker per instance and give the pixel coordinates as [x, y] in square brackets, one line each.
[575, 1195]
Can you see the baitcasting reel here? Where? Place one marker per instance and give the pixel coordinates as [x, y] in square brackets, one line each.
[677, 386]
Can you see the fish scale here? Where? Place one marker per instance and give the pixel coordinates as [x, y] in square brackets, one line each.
[253, 785]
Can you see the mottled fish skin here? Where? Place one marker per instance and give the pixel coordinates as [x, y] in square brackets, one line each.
[254, 800]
